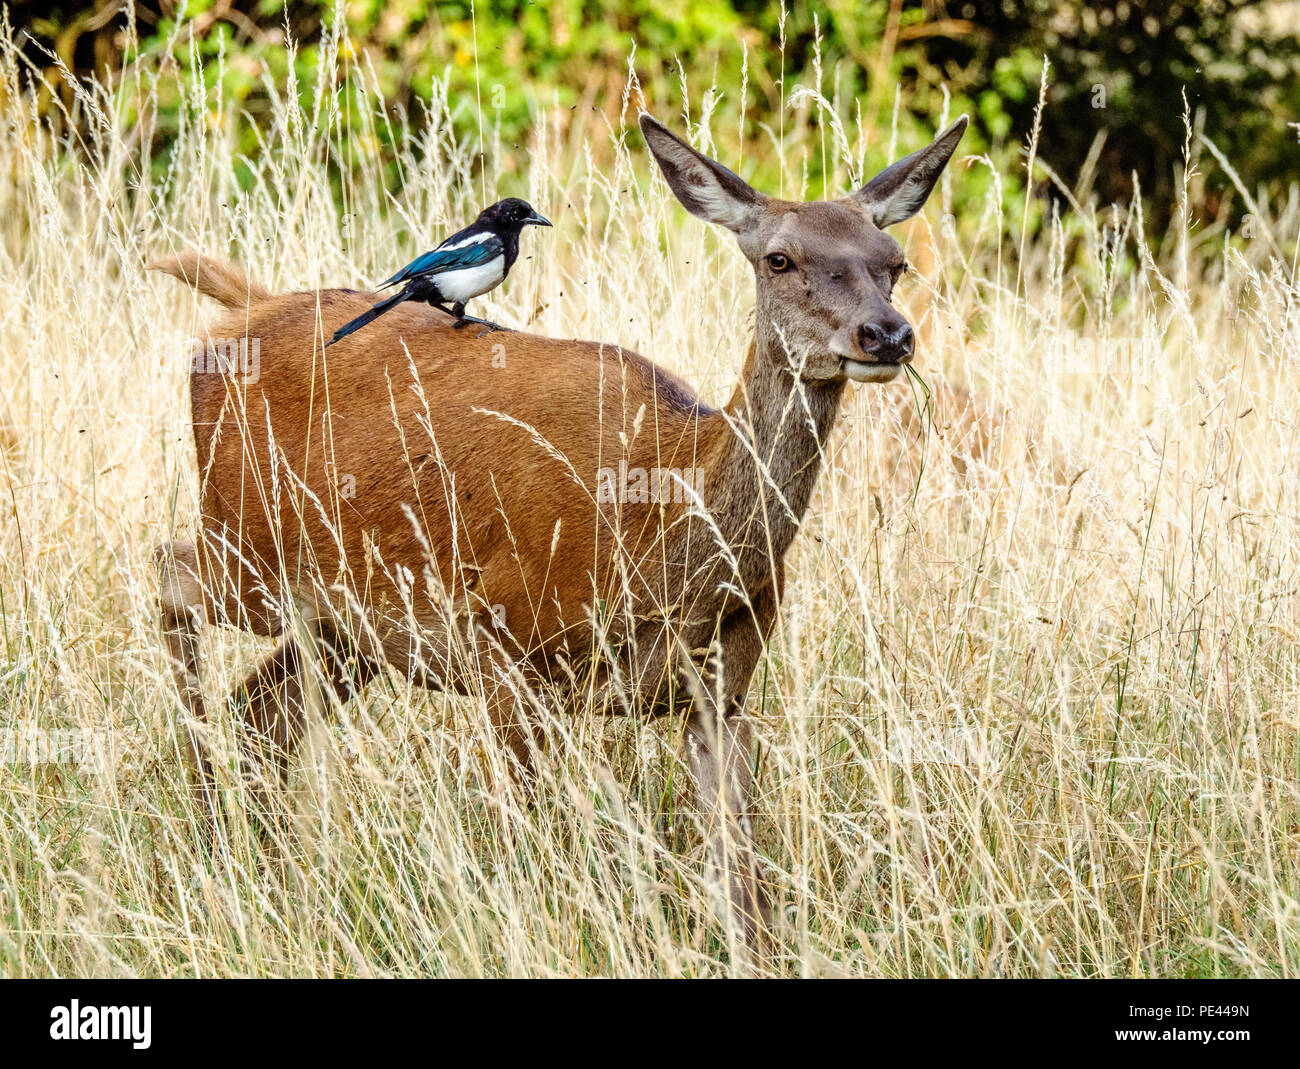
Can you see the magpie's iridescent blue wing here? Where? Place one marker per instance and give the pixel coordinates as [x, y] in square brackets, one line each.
[452, 255]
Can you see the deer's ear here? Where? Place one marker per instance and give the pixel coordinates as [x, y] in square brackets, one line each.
[898, 191]
[704, 186]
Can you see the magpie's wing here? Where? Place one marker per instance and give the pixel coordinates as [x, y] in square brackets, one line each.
[452, 255]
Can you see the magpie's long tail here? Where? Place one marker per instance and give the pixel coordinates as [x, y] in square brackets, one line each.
[368, 317]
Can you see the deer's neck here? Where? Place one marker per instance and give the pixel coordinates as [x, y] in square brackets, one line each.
[768, 457]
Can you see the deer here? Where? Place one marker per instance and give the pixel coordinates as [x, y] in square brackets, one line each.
[487, 547]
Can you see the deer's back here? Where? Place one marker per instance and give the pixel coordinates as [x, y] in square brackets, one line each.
[504, 470]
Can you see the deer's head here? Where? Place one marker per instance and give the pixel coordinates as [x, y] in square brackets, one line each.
[825, 269]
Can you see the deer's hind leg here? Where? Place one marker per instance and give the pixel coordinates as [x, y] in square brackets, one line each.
[273, 701]
[183, 609]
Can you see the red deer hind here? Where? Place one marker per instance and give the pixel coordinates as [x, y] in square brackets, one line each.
[492, 540]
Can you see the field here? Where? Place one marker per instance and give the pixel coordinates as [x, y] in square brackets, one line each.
[1032, 707]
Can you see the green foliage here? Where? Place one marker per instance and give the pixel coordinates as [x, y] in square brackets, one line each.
[1119, 69]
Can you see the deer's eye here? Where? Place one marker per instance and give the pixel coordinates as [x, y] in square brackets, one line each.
[779, 263]
[895, 273]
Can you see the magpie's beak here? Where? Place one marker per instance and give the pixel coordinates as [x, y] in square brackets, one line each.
[537, 219]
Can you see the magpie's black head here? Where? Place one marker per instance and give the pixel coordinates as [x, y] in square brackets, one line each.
[511, 214]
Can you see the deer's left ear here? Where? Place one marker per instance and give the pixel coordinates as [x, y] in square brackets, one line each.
[898, 191]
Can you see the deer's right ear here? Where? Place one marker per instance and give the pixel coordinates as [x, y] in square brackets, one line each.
[704, 186]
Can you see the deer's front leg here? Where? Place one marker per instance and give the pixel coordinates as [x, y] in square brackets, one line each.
[719, 747]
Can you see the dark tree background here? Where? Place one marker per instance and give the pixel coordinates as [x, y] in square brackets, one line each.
[1122, 67]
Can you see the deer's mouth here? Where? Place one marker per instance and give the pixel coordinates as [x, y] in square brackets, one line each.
[870, 370]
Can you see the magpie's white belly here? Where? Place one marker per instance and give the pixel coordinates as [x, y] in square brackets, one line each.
[466, 282]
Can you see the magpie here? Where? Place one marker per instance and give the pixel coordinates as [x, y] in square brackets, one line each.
[469, 263]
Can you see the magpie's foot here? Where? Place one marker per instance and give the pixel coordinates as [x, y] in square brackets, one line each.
[465, 321]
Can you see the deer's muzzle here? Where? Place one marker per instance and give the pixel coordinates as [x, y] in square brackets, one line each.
[887, 342]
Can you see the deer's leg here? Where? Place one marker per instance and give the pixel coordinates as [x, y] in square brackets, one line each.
[272, 702]
[463, 654]
[719, 750]
[512, 718]
[509, 689]
[183, 610]
[719, 747]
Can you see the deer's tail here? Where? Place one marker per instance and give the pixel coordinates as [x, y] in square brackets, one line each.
[218, 279]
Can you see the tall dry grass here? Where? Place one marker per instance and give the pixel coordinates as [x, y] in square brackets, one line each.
[1031, 707]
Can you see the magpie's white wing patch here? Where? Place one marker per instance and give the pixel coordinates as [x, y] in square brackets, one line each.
[473, 239]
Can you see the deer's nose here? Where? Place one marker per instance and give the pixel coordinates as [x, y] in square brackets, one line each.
[888, 343]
